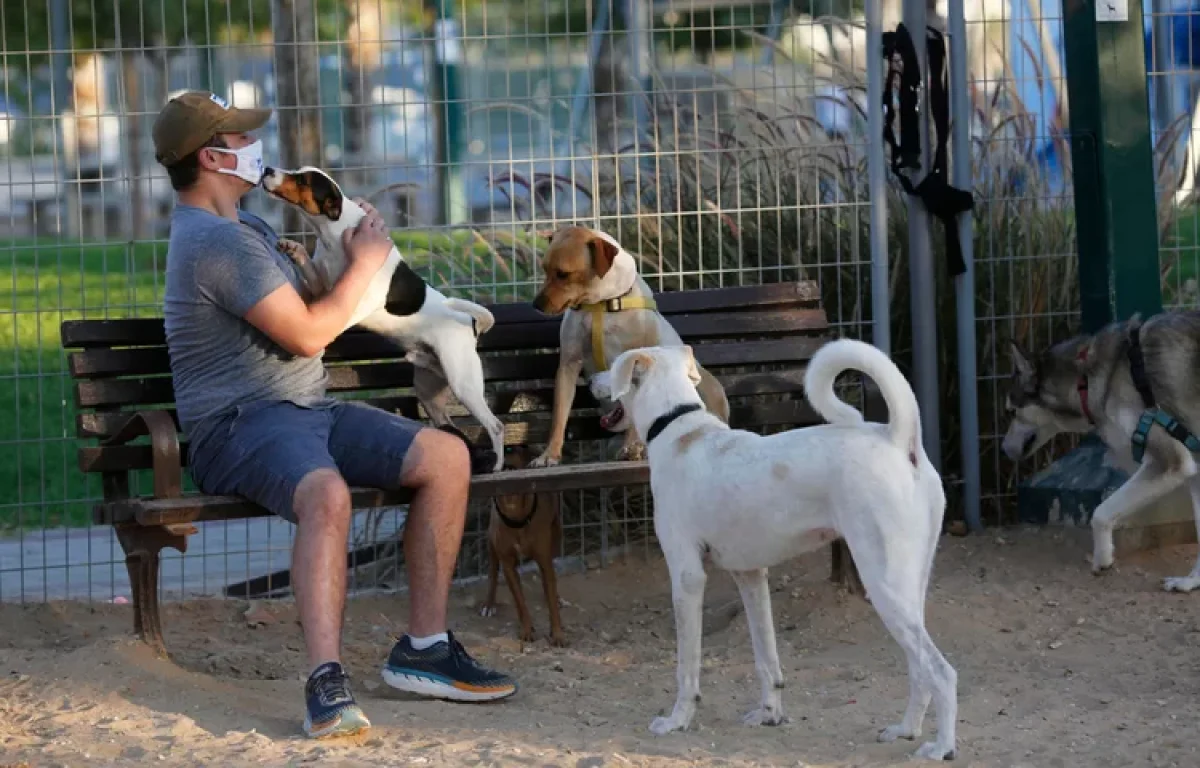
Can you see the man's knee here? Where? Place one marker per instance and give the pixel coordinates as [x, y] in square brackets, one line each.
[322, 497]
[436, 456]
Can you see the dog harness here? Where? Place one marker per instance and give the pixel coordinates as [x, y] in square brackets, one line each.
[602, 308]
[664, 421]
[1153, 414]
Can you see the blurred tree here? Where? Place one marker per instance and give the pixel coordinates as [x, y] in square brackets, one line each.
[364, 54]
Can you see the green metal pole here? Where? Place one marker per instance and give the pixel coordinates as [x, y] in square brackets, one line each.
[1115, 212]
[448, 104]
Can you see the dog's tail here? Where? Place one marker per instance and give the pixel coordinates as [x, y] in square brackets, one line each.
[904, 418]
[482, 317]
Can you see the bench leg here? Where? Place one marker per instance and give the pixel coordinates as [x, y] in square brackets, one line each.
[142, 545]
[844, 571]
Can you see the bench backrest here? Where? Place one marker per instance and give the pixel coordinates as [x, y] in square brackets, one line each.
[755, 339]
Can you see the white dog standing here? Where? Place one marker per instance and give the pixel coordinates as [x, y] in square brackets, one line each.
[437, 333]
[748, 502]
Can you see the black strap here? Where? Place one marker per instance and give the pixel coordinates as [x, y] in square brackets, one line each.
[1180, 433]
[1137, 369]
[518, 524]
[664, 421]
[943, 201]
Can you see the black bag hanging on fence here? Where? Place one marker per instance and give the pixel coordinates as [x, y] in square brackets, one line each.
[943, 201]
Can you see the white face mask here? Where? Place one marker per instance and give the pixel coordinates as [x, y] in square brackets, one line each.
[249, 166]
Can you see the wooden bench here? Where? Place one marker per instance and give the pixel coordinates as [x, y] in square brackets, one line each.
[756, 340]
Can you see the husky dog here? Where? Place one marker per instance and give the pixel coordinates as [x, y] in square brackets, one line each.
[1106, 382]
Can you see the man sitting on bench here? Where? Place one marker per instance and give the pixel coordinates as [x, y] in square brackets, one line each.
[245, 352]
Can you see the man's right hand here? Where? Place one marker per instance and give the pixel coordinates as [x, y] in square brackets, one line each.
[368, 244]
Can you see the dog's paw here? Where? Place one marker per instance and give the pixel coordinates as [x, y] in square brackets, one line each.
[932, 750]
[764, 716]
[545, 460]
[898, 731]
[487, 610]
[1102, 549]
[1181, 583]
[557, 639]
[293, 250]
[635, 452]
[527, 634]
[661, 726]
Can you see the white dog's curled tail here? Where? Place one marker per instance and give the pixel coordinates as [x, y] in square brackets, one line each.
[483, 318]
[904, 419]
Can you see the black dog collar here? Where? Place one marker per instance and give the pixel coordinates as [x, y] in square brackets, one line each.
[518, 524]
[664, 421]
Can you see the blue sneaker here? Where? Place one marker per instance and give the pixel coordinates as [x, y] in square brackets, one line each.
[444, 670]
[332, 710]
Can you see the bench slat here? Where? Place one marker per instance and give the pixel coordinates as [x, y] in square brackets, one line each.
[198, 508]
[533, 428]
[691, 327]
[535, 399]
[149, 331]
[91, 363]
[104, 393]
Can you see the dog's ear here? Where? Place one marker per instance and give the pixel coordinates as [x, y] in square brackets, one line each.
[326, 194]
[1020, 362]
[693, 370]
[627, 372]
[603, 254]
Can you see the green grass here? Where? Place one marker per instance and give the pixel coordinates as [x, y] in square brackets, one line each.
[45, 284]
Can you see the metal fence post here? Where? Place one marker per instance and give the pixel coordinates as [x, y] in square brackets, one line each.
[446, 95]
[881, 326]
[964, 284]
[1113, 161]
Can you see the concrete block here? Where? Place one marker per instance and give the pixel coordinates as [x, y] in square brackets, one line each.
[1068, 491]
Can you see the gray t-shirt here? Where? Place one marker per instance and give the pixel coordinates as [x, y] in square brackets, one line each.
[216, 271]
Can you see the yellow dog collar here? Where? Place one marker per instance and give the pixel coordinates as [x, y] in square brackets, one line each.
[599, 310]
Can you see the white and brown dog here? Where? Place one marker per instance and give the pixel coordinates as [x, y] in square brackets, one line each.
[438, 334]
[747, 502]
[607, 308]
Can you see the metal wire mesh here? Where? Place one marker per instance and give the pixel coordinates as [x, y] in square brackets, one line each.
[1025, 249]
[722, 141]
[710, 148]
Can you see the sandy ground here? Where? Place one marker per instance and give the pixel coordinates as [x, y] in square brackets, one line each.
[1056, 668]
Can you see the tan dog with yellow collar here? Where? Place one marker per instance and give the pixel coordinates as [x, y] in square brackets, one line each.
[607, 308]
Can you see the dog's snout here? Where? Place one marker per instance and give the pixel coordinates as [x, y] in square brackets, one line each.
[539, 302]
[271, 179]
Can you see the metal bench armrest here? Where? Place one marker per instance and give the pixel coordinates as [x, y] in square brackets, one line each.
[164, 447]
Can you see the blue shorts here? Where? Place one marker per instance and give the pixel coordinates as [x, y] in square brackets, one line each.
[262, 450]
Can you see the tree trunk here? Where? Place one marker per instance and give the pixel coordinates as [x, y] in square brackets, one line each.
[130, 47]
[298, 87]
[365, 56]
[134, 124]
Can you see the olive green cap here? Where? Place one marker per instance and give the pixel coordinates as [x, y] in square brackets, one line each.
[191, 119]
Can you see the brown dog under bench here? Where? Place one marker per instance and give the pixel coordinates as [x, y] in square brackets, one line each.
[755, 339]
